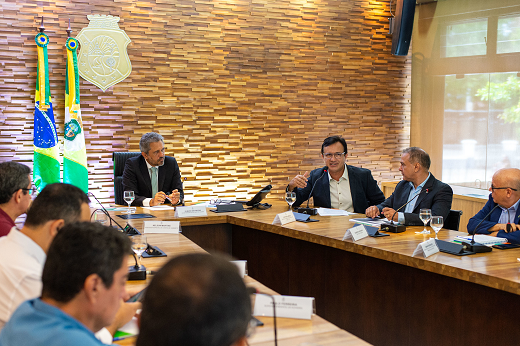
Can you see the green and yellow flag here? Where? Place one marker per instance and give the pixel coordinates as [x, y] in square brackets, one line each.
[46, 168]
[75, 156]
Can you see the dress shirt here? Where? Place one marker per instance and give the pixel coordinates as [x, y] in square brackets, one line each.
[20, 273]
[508, 215]
[38, 323]
[411, 206]
[6, 223]
[340, 196]
[146, 201]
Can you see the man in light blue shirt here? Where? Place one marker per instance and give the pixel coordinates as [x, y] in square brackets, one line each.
[501, 215]
[83, 280]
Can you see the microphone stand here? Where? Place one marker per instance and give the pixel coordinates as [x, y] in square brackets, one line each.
[307, 210]
[393, 228]
[129, 230]
[477, 247]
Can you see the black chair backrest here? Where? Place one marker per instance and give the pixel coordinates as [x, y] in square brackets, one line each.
[119, 159]
[453, 220]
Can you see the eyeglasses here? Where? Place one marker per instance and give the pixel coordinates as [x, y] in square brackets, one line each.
[337, 156]
[32, 190]
[501, 188]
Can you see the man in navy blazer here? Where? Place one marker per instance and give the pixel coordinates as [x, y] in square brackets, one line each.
[419, 187]
[140, 170]
[337, 185]
[503, 204]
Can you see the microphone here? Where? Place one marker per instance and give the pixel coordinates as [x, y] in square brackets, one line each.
[252, 290]
[129, 230]
[307, 210]
[477, 247]
[391, 227]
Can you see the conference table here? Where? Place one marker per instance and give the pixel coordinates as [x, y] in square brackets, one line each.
[314, 332]
[373, 288]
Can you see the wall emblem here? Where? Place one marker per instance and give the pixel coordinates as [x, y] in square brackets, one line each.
[103, 59]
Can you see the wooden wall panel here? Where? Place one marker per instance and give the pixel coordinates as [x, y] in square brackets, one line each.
[243, 91]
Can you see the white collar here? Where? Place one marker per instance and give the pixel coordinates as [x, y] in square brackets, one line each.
[30, 247]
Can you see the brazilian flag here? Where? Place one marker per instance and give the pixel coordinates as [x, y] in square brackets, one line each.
[46, 168]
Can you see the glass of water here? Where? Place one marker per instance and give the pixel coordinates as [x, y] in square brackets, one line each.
[290, 198]
[437, 222]
[425, 215]
[129, 198]
[139, 245]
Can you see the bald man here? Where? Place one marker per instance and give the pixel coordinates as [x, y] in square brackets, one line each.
[505, 192]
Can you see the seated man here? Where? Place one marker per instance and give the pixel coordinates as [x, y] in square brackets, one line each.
[419, 187]
[83, 286]
[15, 193]
[154, 177]
[22, 253]
[503, 204]
[195, 299]
[342, 187]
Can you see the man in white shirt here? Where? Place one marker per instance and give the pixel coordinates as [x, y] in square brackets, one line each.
[23, 252]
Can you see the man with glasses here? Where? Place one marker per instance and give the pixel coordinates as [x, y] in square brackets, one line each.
[154, 177]
[23, 252]
[419, 188]
[15, 193]
[504, 220]
[338, 185]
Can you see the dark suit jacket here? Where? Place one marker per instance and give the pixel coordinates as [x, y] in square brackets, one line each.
[136, 178]
[438, 198]
[491, 220]
[363, 188]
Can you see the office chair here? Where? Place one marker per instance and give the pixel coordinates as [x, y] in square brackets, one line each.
[453, 220]
[119, 159]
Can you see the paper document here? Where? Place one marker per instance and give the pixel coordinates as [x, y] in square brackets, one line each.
[372, 222]
[333, 212]
[160, 207]
[482, 239]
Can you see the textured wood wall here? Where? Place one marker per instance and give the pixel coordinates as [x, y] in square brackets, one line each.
[243, 91]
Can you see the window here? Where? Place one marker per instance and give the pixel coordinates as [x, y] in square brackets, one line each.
[508, 34]
[465, 39]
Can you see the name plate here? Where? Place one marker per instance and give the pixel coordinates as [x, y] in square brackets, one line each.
[190, 211]
[162, 227]
[286, 306]
[242, 267]
[284, 218]
[356, 233]
[426, 248]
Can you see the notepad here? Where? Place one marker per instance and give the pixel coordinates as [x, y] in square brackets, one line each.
[482, 239]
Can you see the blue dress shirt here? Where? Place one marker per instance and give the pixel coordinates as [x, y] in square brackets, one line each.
[37, 323]
[411, 206]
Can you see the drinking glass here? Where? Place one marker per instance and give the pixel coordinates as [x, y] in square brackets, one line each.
[437, 222]
[139, 245]
[129, 198]
[290, 198]
[101, 217]
[425, 215]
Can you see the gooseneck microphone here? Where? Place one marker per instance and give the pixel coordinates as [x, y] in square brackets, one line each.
[307, 210]
[127, 229]
[404, 205]
[391, 227]
[477, 247]
[252, 290]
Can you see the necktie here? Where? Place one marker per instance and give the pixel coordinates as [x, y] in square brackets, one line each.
[155, 188]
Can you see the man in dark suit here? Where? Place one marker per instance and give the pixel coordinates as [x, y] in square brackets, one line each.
[338, 185]
[504, 199]
[154, 177]
[419, 187]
